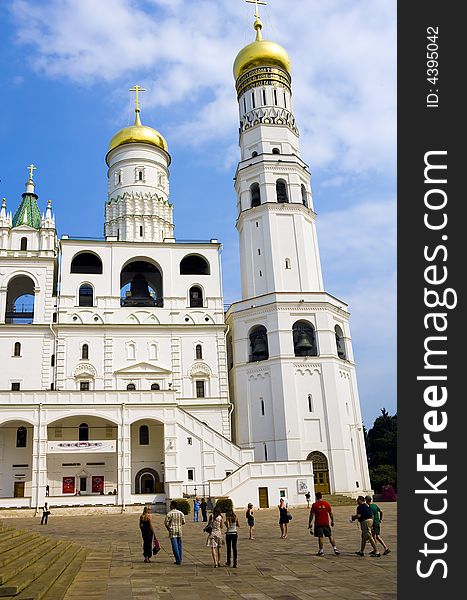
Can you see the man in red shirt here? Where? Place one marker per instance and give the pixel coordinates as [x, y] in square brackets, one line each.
[322, 512]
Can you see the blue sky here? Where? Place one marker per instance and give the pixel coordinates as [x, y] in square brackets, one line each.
[65, 70]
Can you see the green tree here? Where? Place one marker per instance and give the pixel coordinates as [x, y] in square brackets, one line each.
[381, 444]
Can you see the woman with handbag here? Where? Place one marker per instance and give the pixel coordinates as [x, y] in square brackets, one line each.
[283, 517]
[215, 538]
[148, 534]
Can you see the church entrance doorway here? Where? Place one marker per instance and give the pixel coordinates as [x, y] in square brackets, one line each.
[263, 497]
[147, 481]
[320, 472]
[19, 489]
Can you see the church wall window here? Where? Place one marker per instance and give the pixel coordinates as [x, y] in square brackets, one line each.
[287, 263]
[155, 386]
[304, 196]
[275, 96]
[17, 349]
[21, 437]
[140, 231]
[263, 93]
[310, 403]
[52, 360]
[194, 264]
[86, 295]
[281, 191]
[139, 174]
[130, 351]
[196, 297]
[86, 262]
[85, 352]
[285, 100]
[84, 386]
[23, 243]
[255, 194]
[276, 151]
[254, 153]
[265, 447]
[190, 474]
[253, 104]
[259, 251]
[20, 300]
[244, 105]
[200, 388]
[199, 351]
[15, 386]
[152, 351]
[340, 344]
[259, 349]
[304, 339]
[131, 387]
[144, 435]
[83, 432]
[261, 403]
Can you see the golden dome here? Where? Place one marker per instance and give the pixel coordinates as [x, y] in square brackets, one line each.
[138, 133]
[261, 53]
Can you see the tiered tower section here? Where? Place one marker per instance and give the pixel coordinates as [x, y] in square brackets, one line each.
[291, 363]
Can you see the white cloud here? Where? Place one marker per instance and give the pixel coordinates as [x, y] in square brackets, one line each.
[343, 56]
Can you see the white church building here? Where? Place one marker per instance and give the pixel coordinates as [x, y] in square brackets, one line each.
[122, 379]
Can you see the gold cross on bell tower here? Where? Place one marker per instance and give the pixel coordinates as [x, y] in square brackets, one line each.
[31, 170]
[256, 2]
[137, 89]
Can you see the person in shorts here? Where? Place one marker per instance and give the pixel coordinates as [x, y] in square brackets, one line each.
[322, 513]
[250, 519]
[376, 527]
[365, 518]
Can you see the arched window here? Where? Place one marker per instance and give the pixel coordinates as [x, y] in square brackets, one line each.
[85, 352]
[199, 351]
[20, 301]
[86, 295]
[21, 437]
[259, 343]
[281, 191]
[86, 262]
[254, 153]
[193, 264]
[255, 195]
[155, 386]
[52, 360]
[287, 263]
[196, 297]
[144, 435]
[23, 243]
[340, 344]
[304, 339]
[83, 432]
[141, 284]
[131, 387]
[304, 196]
[276, 151]
[17, 349]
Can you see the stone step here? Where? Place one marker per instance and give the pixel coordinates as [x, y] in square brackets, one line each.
[12, 539]
[67, 564]
[15, 577]
[63, 582]
[21, 546]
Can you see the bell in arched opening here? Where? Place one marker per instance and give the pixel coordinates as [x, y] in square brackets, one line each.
[139, 292]
[303, 343]
[259, 344]
[304, 339]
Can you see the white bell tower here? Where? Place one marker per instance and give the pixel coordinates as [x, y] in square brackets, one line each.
[292, 374]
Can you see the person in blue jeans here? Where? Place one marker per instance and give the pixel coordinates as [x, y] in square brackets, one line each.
[173, 523]
[196, 507]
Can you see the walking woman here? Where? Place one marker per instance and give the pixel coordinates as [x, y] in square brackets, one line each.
[148, 533]
[231, 536]
[283, 518]
[250, 519]
[216, 539]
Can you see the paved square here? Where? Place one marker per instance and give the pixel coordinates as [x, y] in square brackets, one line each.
[268, 567]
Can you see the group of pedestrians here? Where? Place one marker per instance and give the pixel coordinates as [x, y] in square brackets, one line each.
[368, 514]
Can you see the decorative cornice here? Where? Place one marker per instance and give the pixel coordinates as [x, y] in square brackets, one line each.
[268, 116]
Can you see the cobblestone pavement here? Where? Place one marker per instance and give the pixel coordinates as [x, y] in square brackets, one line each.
[268, 567]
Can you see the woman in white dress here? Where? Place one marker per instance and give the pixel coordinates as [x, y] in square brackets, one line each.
[215, 539]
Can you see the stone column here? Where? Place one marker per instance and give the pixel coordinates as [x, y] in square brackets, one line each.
[124, 459]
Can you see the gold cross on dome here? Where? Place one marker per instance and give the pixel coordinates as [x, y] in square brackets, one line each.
[31, 170]
[137, 89]
[256, 2]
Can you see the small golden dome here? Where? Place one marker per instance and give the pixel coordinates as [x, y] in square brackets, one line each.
[261, 53]
[138, 133]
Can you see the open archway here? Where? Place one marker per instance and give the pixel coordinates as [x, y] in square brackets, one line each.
[146, 481]
[20, 301]
[141, 284]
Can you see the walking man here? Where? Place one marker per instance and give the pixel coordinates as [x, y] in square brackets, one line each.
[204, 510]
[322, 512]
[365, 518]
[308, 498]
[376, 528]
[173, 523]
[45, 514]
[196, 507]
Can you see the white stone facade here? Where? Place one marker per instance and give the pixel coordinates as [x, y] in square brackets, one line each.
[120, 370]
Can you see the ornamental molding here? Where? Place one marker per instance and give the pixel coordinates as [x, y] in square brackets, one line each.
[344, 374]
[258, 372]
[85, 369]
[268, 116]
[309, 368]
[200, 368]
